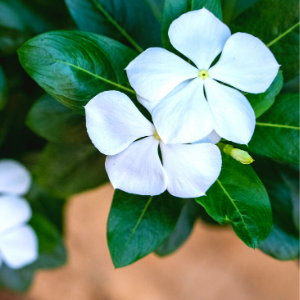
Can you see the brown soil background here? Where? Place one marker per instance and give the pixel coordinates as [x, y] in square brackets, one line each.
[212, 265]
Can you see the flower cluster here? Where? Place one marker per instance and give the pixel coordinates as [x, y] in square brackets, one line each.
[192, 106]
[18, 241]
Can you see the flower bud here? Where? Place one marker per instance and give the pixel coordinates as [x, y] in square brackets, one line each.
[241, 156]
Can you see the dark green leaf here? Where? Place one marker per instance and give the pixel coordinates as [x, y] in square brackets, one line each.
[56, 123]
[74, 67]
[173, 9]
[3, 89]
[66, 169]
[130, 22]
[139, 224]
[52, 254]
[277, 131]
[283, 240]
[262, 102]
[239, 197]
[276, 23]
[182, 230]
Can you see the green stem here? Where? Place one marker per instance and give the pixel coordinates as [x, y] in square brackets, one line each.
[110, 19]
[277, 126]
[282, 35]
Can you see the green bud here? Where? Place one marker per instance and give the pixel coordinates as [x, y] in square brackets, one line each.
[241, 156]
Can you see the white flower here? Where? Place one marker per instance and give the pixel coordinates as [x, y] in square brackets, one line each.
[18, 241]
[173, 90]
[119, 130]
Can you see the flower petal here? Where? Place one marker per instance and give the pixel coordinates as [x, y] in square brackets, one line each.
[13, 211]
[149, 105]
[14, 177]
[234, 116]
[185, 116]
[138, 169]
[212, 138]
[19, 247]
[191, 169]
[113, 122]
[200, 36]
[156, 72]
[246, 63]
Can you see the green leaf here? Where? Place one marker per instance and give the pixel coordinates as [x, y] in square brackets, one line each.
[52, 254]
[139, 224]
[56, 123]
[277, 131]
[262, 102]
[276, 23]
[73, 67]
[3, 89]
[130, 22]
[182, 230]
[66, 169]
[283, 240]
[239, 197]
[173, 9]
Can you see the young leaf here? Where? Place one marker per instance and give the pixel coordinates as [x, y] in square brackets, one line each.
[139, 224]
[277, 131]
[283, 240]
[239, 197]
[175, 8]
[66, 169]
[182, 230]
[262, 102]
[56, 123]
[276, 23]
[130, 22]
[74, 67]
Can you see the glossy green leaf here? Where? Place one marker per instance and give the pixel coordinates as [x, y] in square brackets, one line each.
[239, 197]
[276, 23]
[189, 214]
[283, 240]
[130, 22]
[262, 102]
[3, 89]
[66, 169]
[53, 121]
[52, 254]
[74, 67]
[277, 131]
[173, 9]
[139, 224]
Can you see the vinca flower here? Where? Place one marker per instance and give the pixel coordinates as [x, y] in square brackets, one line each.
[188, 101]
[18, 241]
[118, 129]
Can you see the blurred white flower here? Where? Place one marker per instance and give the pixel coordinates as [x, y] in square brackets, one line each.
[187, 102]
[18, 241]
[119, 130]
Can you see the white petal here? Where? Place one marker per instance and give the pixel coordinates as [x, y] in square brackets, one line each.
[156, 72]
[149, 105]
[14, 177]
[212, 138]
[234, 116]
[246, 63]
[113, 122]
[19, 247]
[185, 116]
[191, 169]
[200, 36]
[138, 169]
[13, 211]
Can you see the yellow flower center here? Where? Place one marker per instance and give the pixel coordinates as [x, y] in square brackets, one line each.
[203, 74]
[156, 136]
